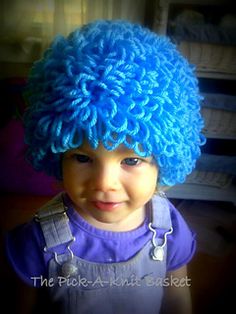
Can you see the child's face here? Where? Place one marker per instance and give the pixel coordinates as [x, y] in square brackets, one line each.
[108, 185]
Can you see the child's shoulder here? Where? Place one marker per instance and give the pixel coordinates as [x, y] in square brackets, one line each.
[181, 242]
[24, 245]
[162, 206]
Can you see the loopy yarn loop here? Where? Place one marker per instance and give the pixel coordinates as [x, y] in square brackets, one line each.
[113, 83]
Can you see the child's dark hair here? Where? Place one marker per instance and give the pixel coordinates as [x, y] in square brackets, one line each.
[113, 82]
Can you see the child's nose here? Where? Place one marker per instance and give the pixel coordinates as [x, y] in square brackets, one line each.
[105, 178]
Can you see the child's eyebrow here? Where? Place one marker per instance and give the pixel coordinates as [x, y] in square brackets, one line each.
[121, 150]
[83, 150]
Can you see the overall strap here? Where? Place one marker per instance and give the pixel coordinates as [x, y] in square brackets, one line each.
[160, 212]
[54, 222]
[160, 219]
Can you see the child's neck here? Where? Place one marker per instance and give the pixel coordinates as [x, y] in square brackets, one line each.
[131, 222]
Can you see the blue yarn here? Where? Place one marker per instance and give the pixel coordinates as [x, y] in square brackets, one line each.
[113, 82]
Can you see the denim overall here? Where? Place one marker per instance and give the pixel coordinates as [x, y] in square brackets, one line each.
[79, 286]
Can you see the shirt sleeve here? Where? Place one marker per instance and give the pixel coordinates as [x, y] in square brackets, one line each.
[181, 243]
[25, 253]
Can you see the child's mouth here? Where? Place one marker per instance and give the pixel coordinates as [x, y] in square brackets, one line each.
[106, 206]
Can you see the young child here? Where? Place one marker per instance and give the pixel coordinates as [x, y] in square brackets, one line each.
[114, 115]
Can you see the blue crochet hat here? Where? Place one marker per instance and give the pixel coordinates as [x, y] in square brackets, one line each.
[114, 82]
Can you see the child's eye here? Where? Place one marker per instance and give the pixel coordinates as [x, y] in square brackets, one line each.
[82, 158]
[131, 161]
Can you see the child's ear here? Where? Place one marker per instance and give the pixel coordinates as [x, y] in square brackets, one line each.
[160, 189]
[58, 185]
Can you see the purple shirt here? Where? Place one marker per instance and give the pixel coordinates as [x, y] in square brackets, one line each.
[24, 244]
